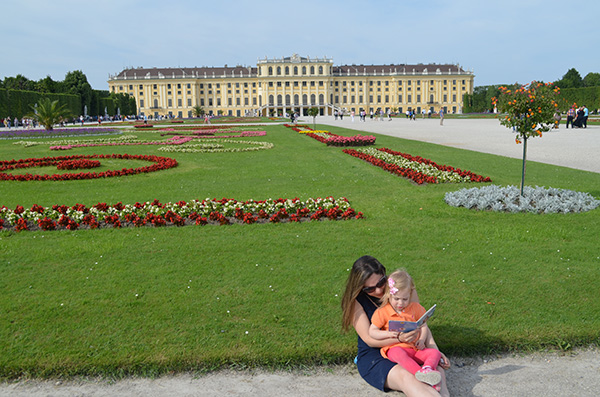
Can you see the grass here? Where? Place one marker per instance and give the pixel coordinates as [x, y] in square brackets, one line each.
[147, 301]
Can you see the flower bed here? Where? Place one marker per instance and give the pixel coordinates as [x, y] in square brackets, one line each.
[78, 164]
[143, 126]
[161, 163]
[215, 147]
[331, 139]
[58, 132]
[132, 140]
[181, 213]
[417, 169]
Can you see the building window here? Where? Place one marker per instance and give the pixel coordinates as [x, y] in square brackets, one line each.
[229, 101]
[320, 69]
[179, 102]
[189, 101]
[409, 98]
[170, 103]
[287, 70]
[418, 98]
[303, 69]
[270, 71]
[141, 103]
[278, 70]
[312, 70]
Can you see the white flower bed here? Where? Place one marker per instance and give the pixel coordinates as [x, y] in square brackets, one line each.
[508, 199]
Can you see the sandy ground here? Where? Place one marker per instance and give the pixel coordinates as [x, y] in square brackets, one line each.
[574, 373]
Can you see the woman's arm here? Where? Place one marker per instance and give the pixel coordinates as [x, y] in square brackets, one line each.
[361, 324]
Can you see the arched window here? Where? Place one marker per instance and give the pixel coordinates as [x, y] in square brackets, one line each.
[271, 100]
[278, 70]
[320, 69]
[303, 69]
[287, 100]
[156, 103]
[287, 70]
[312, 70]
[321, 99]
[279, 100]
[296, 99]
[270, 71]
[304, 99]
[296, 70]
[431, 98]
[313, 100]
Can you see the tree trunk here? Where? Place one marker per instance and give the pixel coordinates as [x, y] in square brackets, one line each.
[524, 163]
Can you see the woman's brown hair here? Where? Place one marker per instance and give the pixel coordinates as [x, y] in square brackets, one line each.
[363, 268]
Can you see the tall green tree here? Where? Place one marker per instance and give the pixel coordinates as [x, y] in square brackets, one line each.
[19, 82]
[76, 83]
[48, 113]
[571, 79]
[591, 79]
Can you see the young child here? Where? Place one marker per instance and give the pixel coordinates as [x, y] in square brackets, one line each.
[396, 305]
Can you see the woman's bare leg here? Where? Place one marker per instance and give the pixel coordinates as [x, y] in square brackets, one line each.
[402, 380]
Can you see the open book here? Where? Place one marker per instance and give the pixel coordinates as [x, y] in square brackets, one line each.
[407, 326]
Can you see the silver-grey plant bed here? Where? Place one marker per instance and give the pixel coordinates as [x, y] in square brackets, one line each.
[508, 199]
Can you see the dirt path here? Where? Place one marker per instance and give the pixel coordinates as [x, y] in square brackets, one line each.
[574, 373]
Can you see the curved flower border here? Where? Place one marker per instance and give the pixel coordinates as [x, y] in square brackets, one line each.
[331, 139]
[209, 211]
[208, 148]
[417, 169]
[161, 163]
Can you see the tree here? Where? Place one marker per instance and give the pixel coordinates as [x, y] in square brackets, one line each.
[529, 112]
[198, 111]
[76, 83]
[314, 112]
[572, 79]
[19, 82]
[591, 80]
[49, 113]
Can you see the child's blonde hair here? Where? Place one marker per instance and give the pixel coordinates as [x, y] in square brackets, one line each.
[401, 281]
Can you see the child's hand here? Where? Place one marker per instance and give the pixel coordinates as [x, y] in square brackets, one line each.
[420, 344]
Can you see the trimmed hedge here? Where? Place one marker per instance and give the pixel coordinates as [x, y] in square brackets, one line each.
[17, 103]
[588, 96]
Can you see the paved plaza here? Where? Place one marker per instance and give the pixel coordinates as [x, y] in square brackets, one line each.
[573, 148]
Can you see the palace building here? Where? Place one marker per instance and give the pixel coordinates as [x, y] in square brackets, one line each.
[282, 85]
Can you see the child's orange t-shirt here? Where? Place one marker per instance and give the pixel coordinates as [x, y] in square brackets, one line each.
[380, 319]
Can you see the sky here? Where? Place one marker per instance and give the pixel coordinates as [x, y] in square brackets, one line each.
[501, 42]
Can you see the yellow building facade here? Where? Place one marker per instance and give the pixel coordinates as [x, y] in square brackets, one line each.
[280, 86]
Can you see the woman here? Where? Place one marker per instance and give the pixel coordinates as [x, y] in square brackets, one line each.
[365, 286]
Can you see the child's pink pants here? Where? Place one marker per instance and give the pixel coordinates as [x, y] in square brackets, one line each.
[410, 359]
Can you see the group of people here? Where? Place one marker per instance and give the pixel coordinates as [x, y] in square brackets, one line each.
[24, 122]
[404, 361]
[577, 117]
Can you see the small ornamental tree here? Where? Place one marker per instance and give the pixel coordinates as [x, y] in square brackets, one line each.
[529, 110]
[313, 112]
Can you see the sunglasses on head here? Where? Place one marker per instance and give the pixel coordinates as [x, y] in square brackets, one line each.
[379, 284]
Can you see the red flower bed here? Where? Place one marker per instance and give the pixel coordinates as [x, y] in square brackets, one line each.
[392, 168]
[143, 126]
[78, 164]
[157, 214]
[464, 173]
[161, 163]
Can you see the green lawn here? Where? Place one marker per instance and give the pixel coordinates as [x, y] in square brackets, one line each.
[154, 300]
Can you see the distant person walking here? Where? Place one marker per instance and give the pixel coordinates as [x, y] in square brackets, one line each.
[586, 113]
[441, 116]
